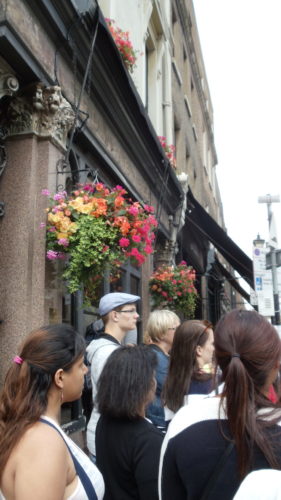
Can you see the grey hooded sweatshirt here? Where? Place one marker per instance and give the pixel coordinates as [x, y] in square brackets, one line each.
[98, 351]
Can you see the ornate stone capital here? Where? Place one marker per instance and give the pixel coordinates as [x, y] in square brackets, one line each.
[42, 111]
[8, 84]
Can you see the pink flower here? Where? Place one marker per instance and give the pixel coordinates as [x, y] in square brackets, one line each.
[136, 238]
[45, 192]
[138, 256]
[52, 255]
[42, 224]
[105, 248]
[134, 252]
[152, 220]
[60, 196]
[124, 242]
[133, 210]
[52, 229]
[148, 249]
[55, 209]
[64, 242]
[61, 255]
[164, 294]
[182, 263]
[149, 208]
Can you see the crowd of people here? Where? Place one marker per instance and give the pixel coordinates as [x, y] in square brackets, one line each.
[193, 412]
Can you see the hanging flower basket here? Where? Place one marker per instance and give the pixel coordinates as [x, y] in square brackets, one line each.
[169, 149]
[173, 287]
[124, 45]
[94, 230]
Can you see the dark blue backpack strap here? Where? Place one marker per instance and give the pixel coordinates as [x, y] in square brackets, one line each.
[84, 478]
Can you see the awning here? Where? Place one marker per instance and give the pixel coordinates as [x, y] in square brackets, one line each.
[207, 226]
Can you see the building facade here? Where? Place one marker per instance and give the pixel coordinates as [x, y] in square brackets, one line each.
[70, 112]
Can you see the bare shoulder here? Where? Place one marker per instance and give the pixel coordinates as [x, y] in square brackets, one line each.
[41, 439]
[40, 459]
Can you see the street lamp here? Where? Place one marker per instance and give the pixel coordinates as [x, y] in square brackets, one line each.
[269, 199]
[258, 242]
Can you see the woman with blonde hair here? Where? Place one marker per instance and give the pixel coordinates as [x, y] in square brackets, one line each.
[160, 331]
[37, 459]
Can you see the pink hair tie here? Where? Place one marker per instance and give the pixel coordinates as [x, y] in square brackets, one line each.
[18, 360]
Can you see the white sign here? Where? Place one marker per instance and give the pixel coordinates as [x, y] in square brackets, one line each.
[263, 282]
[253, 297]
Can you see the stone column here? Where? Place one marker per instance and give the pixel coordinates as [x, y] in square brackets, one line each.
[36, 122]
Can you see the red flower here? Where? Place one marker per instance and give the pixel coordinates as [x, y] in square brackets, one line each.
[124, 242]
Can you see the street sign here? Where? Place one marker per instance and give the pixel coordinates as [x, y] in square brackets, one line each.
[263, 282]
[278, 259]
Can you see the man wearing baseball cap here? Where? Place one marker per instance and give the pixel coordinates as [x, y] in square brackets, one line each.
[119, 314]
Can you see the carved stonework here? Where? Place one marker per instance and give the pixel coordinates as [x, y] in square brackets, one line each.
[42, 111]
[164, 255]
[8, 82]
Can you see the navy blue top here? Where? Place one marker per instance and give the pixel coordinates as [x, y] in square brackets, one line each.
[201, 386]
[155, 411]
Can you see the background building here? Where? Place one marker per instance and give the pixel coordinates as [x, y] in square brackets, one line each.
[59, 67]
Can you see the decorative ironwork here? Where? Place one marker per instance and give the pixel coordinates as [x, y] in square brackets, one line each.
[63, 167]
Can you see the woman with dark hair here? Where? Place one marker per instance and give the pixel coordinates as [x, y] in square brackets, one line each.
[127, 445]
[213, 444]
[191, 370]
[37, 459]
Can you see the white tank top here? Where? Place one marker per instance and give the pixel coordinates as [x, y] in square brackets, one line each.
[89, 467]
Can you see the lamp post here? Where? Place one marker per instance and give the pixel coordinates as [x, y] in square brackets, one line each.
[268, 199]
[258, 242]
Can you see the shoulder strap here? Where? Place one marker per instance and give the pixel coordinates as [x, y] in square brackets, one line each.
[216, 472]
[84, 478]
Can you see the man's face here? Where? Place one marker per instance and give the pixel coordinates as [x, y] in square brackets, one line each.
[127, 317]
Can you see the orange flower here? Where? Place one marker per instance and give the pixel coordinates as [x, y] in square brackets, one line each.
[119, 201]
[99, 206]
[125, 227]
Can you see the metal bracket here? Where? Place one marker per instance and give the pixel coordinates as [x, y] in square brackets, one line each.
[63, 167]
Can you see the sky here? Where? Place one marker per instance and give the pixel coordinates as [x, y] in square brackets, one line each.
[241, 46]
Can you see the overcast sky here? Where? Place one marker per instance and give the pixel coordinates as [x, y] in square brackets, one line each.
[241, 45]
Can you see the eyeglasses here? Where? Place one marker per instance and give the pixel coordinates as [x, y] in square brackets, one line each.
[173, 328]
[128, 311]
